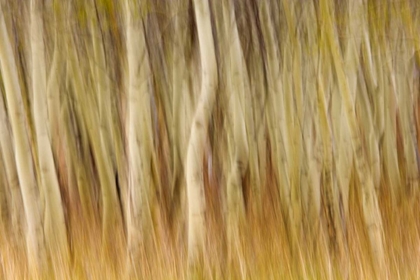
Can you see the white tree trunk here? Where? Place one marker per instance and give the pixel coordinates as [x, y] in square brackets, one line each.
[330, 197]
[195, 153]
[370, 207]
[111, 211]
[237, 90]
[54, 227]
[140, 142]
[6, 148]
[4, 198]
[30, 194]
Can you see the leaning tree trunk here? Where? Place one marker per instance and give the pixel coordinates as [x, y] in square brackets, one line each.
[30, 194]
[370, 207]
[4, 198]
[54, 224]
[6, 148]
[111, 211]
[195, 153]
[330, 199]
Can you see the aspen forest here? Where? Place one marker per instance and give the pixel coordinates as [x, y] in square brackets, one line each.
[209, 139]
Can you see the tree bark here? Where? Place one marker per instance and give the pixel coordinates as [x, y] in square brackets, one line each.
[6, 148]
[370, 207]
[54, 224]
[30, 193]
[195, 153]
[140, 137]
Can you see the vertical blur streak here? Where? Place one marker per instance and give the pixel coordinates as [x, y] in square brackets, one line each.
[30, 193]
[237, 135]
[140, 230]
[54, 224]
[199, 127]
[11, 179]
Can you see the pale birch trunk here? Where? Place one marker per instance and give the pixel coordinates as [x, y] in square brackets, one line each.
[312, 142]
[374, 132]
[53, 97]
[4, 198]
[195, 153]
[370, 207]
[237, 90]
[311, 193]
[103, 90]
[111, 211]
[256, 115]
[384, 96]
[72, 112]
[278, 122]
[11, 176]
[351, 62]
[406, 101]
[329, 190]
[30, 194]
[389, 149]
[140, 141]
[76, 163]
[54, 224]
[181, 108]
[294, 110]
[412, 28]
[367, 130]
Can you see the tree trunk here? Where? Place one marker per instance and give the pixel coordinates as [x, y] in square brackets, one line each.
[370, 207]
[6, 148]
[236, 90]
[140, 137]
[195, 153]
[30, 194]
[54, 224]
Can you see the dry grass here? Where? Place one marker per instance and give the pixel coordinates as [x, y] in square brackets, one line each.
[264, 251]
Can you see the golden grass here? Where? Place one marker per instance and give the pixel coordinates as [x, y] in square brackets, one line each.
[264, 249]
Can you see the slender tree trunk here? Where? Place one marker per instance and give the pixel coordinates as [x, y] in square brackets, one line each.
[195, 153]
[4, 207]
[111, 211]
[370, 207]
[279, 118]
[181, 106]
[236, 90]
[6, 148]
[54, 227]
[30, 193]
[53, 97]
[330, 199]
[140, 137]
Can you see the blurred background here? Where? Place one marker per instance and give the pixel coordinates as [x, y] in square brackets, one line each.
[231, 139]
